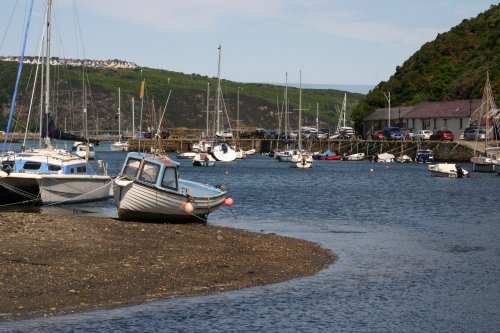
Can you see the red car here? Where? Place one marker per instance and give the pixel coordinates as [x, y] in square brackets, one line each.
[442, 136]
[378, 135]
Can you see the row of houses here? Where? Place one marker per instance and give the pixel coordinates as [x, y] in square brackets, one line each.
[454, 116]
[115, 63]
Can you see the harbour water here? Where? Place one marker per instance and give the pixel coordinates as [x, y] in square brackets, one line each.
[416, 253]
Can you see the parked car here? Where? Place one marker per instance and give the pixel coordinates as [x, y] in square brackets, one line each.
[344, 133]
[393, 133]
[472, 133]
[423, 135]
[408, 134]
[319, 135]
[378, 135]
[442, 136]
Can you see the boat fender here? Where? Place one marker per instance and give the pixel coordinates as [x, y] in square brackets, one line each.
[6, 168]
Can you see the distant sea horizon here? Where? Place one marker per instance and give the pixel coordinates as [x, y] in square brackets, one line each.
[353, 88]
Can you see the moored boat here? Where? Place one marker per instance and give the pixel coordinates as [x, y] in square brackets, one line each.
[83, 150]
[50, 176]
[203, 159]
[385, 158]
[424, 156]
[355, 157]
[149, 188]
[448, 170]
[326, 155]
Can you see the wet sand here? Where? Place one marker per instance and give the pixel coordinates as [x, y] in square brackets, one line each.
[62, 264]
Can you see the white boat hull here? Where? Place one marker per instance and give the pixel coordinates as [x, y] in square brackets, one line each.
[483, 164]
[119, 146]
[53, 189]
[356, 157]
[223, 153]
[447, 170]
[188, 155]
[136, 201]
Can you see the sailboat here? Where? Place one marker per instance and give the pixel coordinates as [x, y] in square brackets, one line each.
[221, 151]
[40, 176]
[302, 159]
[84, 149]
[203, 148]
[485, 113]
[287, 153]
[119, 145]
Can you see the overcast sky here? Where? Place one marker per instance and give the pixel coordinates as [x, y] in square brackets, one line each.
[332, 42]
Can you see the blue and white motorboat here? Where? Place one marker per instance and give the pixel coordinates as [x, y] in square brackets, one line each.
[49, 176]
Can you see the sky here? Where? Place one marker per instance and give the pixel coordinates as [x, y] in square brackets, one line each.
[355, 42]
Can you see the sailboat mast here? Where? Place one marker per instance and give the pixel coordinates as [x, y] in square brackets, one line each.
[317, 116]
[487, 109]
[208, 106]
[133, 118]
[218, 93]
[238, 114]
[286, 106]
[344, 107]
[47, 68]
[119, 115]
[300, 112]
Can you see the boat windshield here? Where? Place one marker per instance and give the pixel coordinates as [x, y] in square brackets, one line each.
[169, 179]
[132, 167]
[149, 172]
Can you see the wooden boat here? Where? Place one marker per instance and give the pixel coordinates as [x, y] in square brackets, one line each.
[448, 170]
[149, 188]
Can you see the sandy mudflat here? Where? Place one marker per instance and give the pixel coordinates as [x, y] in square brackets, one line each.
[61, 264]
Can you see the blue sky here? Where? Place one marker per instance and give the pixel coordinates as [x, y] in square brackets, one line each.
[332, 42]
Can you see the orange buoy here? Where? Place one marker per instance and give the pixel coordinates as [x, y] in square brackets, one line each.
[228, 202]
[188, 207]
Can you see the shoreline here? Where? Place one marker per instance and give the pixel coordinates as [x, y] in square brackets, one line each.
[52, 265]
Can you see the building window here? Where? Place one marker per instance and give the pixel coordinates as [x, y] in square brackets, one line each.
[461, 123]
[445, 123]
[435, 123]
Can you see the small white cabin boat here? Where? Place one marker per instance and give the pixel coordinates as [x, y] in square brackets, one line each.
[149, 188]
[385, 158]
[448, 170]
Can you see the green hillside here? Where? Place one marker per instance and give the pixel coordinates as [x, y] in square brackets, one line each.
[451, 67]
[186, 107]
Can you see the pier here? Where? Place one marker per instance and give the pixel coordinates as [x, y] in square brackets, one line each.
[455, 151]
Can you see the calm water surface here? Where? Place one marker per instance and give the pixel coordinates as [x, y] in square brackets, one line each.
[416, 253]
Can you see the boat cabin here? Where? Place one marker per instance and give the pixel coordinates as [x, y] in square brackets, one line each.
[150, 170]
[26, 163]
